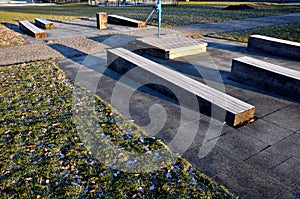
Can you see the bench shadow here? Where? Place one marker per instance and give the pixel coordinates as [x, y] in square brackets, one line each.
[243, 50]
[84, 59]
[76, 24]
[13, 27]
[68, 52]
[209, 77]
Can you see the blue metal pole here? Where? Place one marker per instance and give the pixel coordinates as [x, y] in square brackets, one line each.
[159, 17]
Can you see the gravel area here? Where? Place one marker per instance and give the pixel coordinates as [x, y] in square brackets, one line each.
[73, 39]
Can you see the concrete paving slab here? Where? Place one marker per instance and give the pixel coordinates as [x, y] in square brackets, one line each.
[250, 182]
[287, 117]
[278, 165]
[290, 145]
[293, 193]
[240, 145]
[266, 105]
[217, 161]
[265, 131]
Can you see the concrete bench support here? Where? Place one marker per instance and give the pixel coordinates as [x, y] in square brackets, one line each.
[43, 23]
[120, 20]
[31, 29]
[167, 81]
[266, 76]
[101, 20]
[274, 46]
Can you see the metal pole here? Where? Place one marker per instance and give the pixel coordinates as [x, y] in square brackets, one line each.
[159, 17]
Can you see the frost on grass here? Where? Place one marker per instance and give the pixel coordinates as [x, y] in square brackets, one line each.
[43, 156]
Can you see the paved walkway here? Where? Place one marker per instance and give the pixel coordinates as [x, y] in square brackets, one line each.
[259, 160]
[243, 24]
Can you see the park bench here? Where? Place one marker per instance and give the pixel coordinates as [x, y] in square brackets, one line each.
[209, 100]
[168, 47]
[266, 76]
[43, 23]
[31, 29]
[274, 46]
[120, 20]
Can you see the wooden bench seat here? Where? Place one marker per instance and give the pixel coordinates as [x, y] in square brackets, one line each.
[43, 23]
[120, 20]
[266, 76]
[232, 110]
[31, 29]
[274, 46]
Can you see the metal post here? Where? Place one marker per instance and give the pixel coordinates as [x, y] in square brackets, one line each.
[159, 17]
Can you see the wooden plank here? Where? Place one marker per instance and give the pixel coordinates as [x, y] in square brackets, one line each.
[168, 47]
[274, 46]
[31, 29]
[101, 20]
[120, 20]
[266, 76]
[43, 23]
[209, 99]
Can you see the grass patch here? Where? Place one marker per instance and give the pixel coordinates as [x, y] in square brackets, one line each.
[284, 31]
[9, 37]
[43, 156]
[183, 14]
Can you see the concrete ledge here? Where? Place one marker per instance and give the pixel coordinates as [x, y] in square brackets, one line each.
[274, 46]
[120, 20]
[210, 101]
[266, 76]
[31, 29]
[43, 23]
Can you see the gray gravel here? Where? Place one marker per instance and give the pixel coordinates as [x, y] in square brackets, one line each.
[72, 39]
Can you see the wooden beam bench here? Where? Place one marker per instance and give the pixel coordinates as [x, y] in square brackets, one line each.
[43, 23]
[120, 20]
[274, 46]
[266, 76]
[31, 29]
[223, 106]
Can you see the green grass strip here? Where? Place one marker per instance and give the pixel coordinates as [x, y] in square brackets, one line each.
[289, 32]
